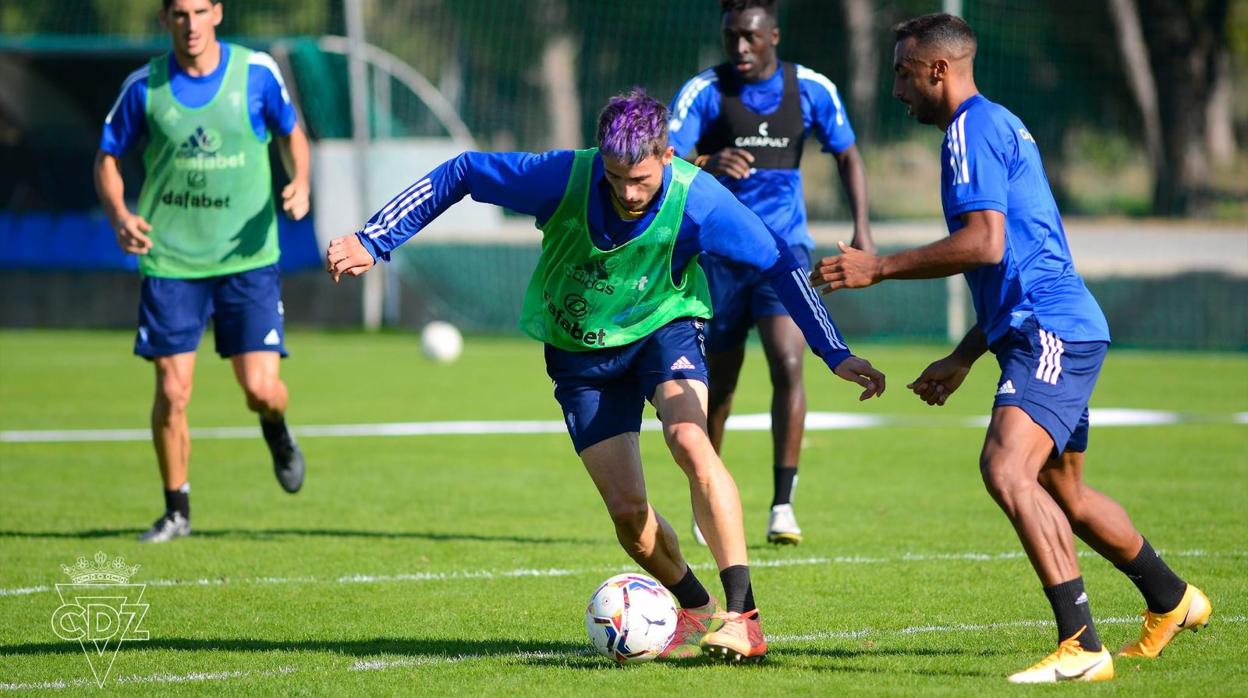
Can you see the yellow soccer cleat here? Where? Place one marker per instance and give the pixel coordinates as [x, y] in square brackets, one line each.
[739, 639]
[1192, 613]
[1071, 662]
[692, 624]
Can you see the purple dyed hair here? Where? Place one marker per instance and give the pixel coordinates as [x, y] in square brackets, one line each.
[632, 127]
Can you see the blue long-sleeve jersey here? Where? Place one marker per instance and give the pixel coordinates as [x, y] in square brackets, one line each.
[534, 183]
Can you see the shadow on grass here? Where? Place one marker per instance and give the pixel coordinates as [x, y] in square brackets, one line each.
[272, 533]
[381, 653]
[391, 652]
[781, 659]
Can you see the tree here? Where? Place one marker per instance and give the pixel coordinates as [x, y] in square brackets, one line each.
[1174, 77]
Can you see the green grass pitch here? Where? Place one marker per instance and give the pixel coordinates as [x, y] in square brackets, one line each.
[462, 564]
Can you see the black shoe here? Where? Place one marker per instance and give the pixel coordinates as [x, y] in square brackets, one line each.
[172, 525]
[287, 458]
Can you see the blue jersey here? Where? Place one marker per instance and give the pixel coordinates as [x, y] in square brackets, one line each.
[989, 161]
[534, 184]
[775, 195]
[268, 102]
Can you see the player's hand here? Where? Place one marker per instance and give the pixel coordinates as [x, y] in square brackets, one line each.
[131, 233]
[346, 255]
[939, 380]
[850, 269]
[733, 162]
[295, 200]
[858, 370]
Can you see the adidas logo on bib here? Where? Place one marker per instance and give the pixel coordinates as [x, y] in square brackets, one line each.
[683, 364]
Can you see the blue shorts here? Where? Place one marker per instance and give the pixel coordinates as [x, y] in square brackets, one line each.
[740, 295]
[603, 392]
[1049, 379]
[246, 312]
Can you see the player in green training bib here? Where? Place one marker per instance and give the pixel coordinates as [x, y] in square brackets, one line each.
[620, 313]
[619, 301]
[206, 230]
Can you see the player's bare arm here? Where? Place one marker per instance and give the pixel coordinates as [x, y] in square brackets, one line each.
[853, 173]
[979, 242]
[346, 255]
[942, 377]
[131, 230]
[296, 159]
[730, 162]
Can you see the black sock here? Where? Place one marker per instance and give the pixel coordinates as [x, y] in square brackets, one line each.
[1070, 607]
[785, 478]
[274, 430]
[738, 593]
[1161, 587]
[179, 500]
[689, 592]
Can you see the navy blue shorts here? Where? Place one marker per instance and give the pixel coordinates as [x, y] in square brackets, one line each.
[1051, 380]
[740, 295]
[603, 392]
[246, 312]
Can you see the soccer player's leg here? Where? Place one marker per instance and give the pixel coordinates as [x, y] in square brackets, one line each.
[1173, 605]
[724, 367]
[250, 332]
[1014, 451]
[726, 334]
[785, 348]
[1037, 407]
[614, 464]
[172, 317]
[602, 407]
[680, 397]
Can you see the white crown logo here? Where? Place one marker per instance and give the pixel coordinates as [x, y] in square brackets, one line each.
[101, 571]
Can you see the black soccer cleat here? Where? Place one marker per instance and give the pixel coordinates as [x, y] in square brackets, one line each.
[288, 463]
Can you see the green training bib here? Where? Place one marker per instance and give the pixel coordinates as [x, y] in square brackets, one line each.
[207, 193]
[582, 298]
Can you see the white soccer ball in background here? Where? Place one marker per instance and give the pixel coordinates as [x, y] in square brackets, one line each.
[631, 618]
[441, 342]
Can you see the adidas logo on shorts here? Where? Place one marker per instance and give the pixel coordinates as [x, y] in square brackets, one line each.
[683, 364]
[1007, 388]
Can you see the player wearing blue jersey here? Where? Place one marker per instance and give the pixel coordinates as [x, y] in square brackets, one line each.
[1049, 337]
[619, 299]
[747, 120]
[206, 230]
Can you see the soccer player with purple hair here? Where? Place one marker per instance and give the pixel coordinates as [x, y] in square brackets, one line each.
[619, 301]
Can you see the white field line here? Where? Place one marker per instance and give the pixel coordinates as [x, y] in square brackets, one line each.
[815, 421]
[966, 627]
[384, 664]
[195, 676]
[360, 578]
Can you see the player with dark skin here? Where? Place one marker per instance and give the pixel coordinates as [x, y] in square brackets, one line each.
[750, 37]
[1031, 468]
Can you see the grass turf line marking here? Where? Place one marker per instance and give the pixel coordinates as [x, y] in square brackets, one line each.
[565, 572]
[966, 627]
[384, 664]
[194, 676]
[815, 421]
